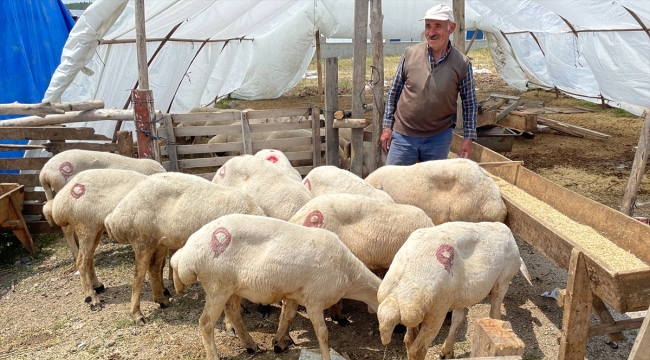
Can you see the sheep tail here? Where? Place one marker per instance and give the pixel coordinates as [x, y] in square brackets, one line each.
[46, 186]
[524, 271]
[389, 316]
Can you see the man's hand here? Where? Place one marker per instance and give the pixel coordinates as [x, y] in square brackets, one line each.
[465, 149]
[385, 139]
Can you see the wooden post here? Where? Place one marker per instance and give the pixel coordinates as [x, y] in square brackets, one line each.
[246, 133]
[141, 45]
[315, 135]
[359, 57]
[577, 309]
[356, 151]
[319, 67]
[459, 43]
[171, 143]
[331, 105]
[145, 122]
[638, 168]
[376, 24]
[605, 317]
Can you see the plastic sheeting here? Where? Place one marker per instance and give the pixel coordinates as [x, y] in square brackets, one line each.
[260, 48]
[33, 34]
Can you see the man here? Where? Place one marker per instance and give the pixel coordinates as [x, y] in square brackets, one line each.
[421, 105]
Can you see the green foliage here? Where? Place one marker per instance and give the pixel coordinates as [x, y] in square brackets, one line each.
[82, 5]
[223, 103]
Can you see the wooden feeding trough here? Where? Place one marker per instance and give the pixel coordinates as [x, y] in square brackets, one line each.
[593, 278]
[11, 217]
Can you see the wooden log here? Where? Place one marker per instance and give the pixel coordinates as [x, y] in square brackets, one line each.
[615, 327]
[349, 123]
[315, 134]
[360, 43]
[331, 103]
[125, 146]
[638, 169]
[606, 319]
[47, 108]
[145, 123]
[570, 129]
[379, 104]
[70, 117]
[577, 309]
[641, 347]
[494, 337]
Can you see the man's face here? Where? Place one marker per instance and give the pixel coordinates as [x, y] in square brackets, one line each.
[438, 32]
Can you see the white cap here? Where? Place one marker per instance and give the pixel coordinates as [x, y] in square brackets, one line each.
[439, 12]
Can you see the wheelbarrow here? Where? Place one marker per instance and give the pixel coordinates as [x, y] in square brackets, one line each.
[11, 217]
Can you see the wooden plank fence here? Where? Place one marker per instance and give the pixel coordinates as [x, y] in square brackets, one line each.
[243, 126]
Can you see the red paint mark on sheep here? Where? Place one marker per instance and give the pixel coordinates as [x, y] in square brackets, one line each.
[78, 190]
[272, 158]
[445, 256]
[67, 170]
[220, 241]
[314, 219]
[307, 184]
[222, 172]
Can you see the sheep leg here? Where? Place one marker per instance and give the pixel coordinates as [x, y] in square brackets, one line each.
[160, 294]
[429, 328]
[85, 265]
[97, 286]
[170, 273]
[68, 231]
[233, 314]
[457, 319]
[318, 321]
[214, 306]
[497, 294]
[143, 254]
[282, 340]
[411, 334]
[336, 313]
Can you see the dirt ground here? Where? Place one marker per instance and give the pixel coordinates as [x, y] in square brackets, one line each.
[43, 316]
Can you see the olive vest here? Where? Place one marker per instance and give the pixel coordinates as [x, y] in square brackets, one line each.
[427, 104]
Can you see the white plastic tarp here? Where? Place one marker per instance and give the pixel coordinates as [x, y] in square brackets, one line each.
[260, 48]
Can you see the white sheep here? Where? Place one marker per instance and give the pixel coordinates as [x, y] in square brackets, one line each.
[276, 193]
[63, 166]
[280, 160]
[445, 268]
[82, 205]
[296, 264]
[332, 180]
[447, 190]
[160, 213]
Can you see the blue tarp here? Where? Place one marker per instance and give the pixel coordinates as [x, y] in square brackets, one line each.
[32, 35]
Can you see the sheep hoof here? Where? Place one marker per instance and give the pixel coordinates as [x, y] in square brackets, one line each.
[399, 329]
[96, 307]
[163, 305]
[287, 342]
[167, 293]
[342, 321]
[265, 310]
[100, 289]
[140, 321]
[251, 350]
[88, 299]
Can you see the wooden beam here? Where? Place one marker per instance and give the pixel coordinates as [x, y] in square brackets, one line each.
[145, 123]
[570, 129]
[577, 309]
[50, 133]
[459, 17]
[615, 328]
[246, 134]
[606, 319]
[349, 123]
[642, 343]
[638, 168]
[315, 134]
[331, 104]
[359, 57]
[171, 143]
[379, 104]
[509, 108]
[47, 108]
[70, 117]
